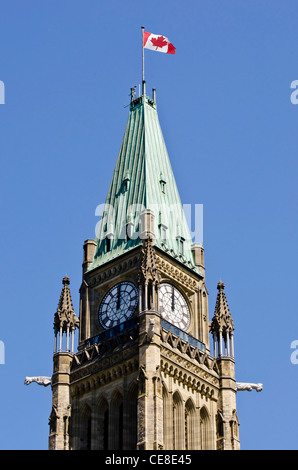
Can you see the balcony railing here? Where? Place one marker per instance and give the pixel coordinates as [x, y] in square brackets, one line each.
[108, 334]
[132, 323]
[183, 336]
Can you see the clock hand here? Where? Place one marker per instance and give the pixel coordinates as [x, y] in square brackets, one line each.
[118, 298]
[173, 300]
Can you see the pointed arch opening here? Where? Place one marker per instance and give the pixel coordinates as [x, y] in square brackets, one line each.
[86, 427]
[178, 422]
[116, 422]
[131, 421]
[189, 425]
[103, 420]
[167, 419]
[205, 429]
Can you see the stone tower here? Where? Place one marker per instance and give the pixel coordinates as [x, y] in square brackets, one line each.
[144, 376]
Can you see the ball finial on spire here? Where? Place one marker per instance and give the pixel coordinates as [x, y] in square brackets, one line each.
[66, 280]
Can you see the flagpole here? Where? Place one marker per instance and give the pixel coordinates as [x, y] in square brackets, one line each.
[143, 63]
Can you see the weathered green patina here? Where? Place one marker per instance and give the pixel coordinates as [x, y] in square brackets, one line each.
[143, 179]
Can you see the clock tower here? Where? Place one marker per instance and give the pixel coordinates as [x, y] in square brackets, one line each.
[144, 375]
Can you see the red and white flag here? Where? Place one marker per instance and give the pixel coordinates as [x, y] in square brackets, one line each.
[156, 42]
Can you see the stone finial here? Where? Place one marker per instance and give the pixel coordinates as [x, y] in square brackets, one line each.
[148, 269]
[222, 319]
[65, 316]
[66, 281]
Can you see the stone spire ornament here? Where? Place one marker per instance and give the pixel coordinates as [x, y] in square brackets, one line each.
[65, 320]
[222, 326]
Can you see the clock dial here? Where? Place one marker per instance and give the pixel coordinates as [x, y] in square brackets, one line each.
[173, 306]
[118, 304]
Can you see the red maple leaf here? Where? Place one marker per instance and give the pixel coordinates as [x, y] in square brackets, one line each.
[158, 42]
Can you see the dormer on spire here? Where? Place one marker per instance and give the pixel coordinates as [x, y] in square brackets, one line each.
[222, 326]
[65, 320]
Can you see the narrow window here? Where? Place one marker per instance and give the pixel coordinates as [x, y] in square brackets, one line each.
[186, 426]
[162, 184]
[129, 231]
[125, 182]
[163, 232]
[120, 428]
[89, 433]
[108, 244]
[106, 430]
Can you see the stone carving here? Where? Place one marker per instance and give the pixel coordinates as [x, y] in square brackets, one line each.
[45, 381]
[148, 268]
[142, 380]
[248, 386]
[150, 332]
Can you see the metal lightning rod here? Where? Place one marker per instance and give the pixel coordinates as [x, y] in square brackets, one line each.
[143, 63]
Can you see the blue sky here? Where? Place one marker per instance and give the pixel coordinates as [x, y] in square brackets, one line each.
[231, 133]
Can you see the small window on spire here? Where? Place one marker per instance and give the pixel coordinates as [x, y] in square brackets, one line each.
[108, 244]
[180, 241]
[125, 182]
[163, 184]
[163, 232]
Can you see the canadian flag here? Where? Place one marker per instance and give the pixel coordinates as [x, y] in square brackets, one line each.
[156, 42]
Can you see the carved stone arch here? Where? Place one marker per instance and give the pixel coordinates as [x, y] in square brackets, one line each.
[234, 427]
[102, 400]
[190, 404]
[141, 380]
[85, 408]
[117, 396]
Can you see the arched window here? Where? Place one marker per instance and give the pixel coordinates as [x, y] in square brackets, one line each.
[116, 422]
[178, 422]
[219, 431]
[167, 424]
[205, 429]
[131, 424]
[86, 427]
[106, 429]
[189, 425]
[103, 416]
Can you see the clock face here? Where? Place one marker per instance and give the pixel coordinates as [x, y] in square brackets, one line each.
[173, 306]
[118, 304]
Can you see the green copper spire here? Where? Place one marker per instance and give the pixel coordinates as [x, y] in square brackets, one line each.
[143, 180]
